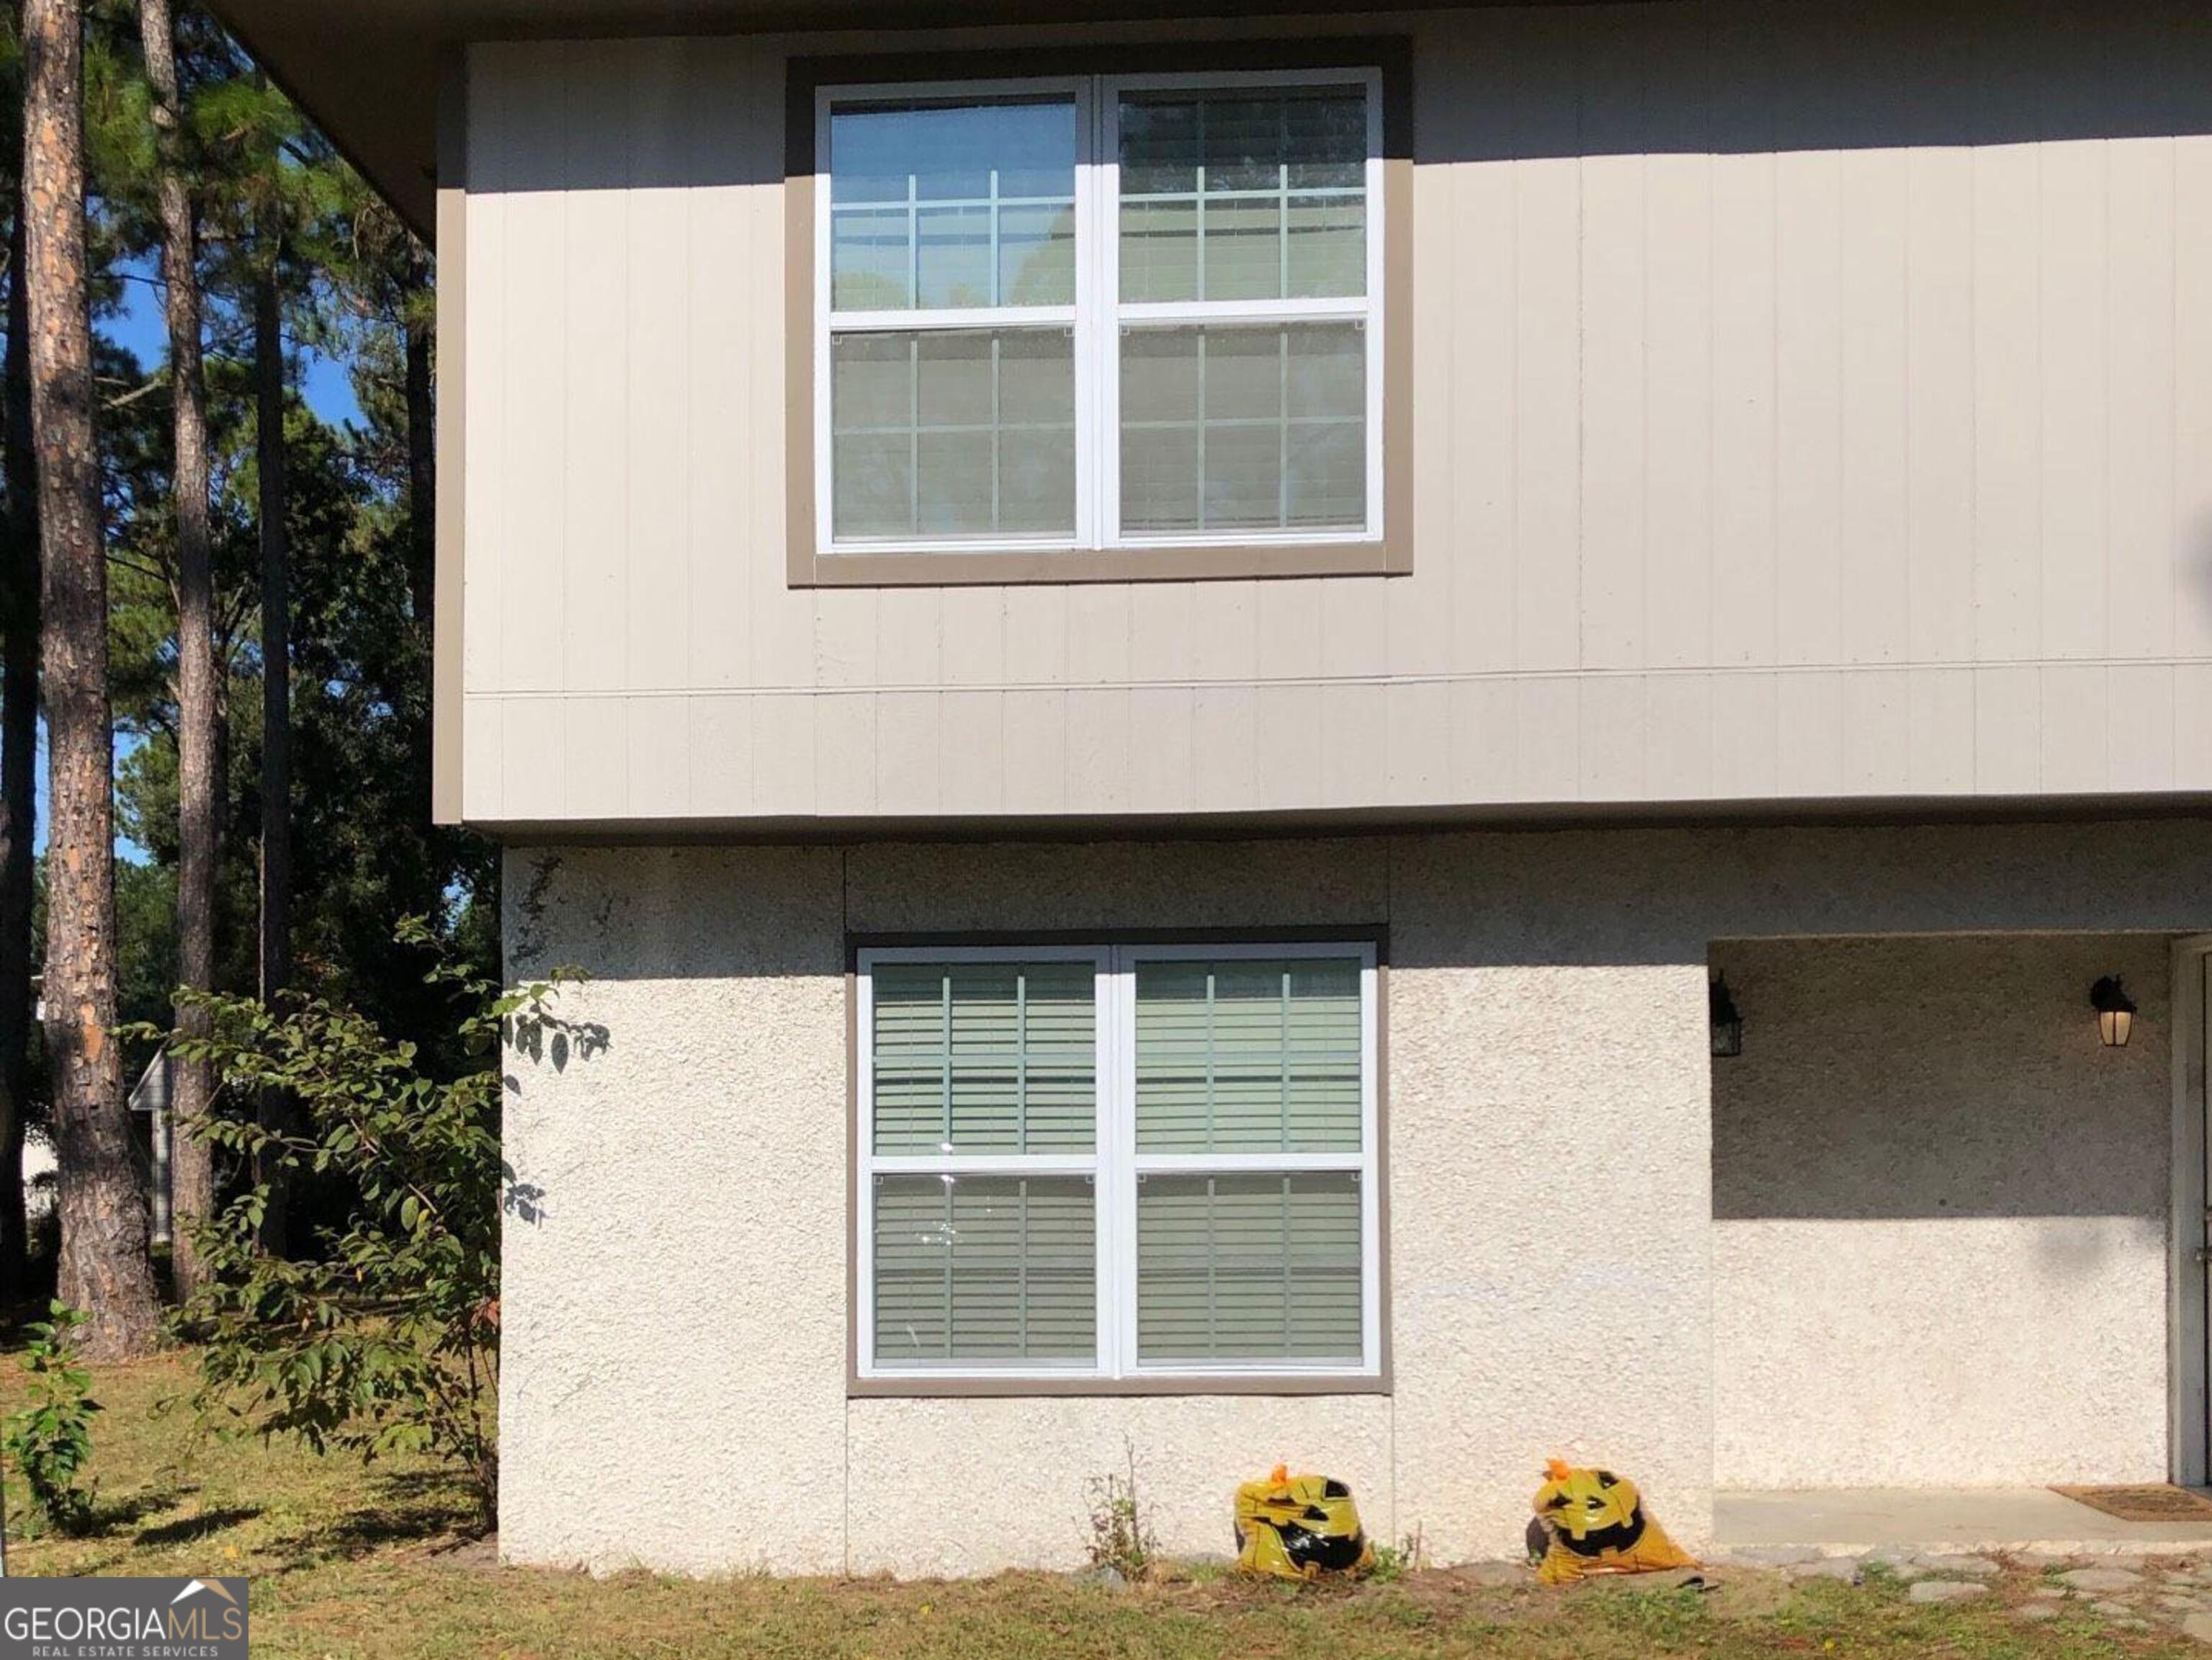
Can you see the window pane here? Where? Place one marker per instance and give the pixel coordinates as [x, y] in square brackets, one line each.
[1243, 195]
[984, 1057]
[1037, 256]
[1247, 1056]
[984, 1267]
[868, 259]
[961, 432]
[953, 264]
[1244, 427]
[1248, 1268]
[950, 204]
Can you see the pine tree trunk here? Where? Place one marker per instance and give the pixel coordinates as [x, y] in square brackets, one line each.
[18, 774]
[191, 1160]
[276, 684]
[104, 1269]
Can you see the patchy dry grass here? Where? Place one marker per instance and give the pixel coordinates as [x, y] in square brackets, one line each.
[353, 1562]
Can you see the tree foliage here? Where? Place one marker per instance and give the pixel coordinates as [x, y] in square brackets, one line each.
[50, 1438]
[381, 1334]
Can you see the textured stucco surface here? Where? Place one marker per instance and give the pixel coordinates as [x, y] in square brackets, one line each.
[1008, 1480]
[676, 1314]
[1939, 1247]
[674, 1343]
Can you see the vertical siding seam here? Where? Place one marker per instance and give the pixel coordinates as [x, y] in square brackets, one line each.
[1904, 658]
[2176, 595]
[845, 1473]
[1581, 72]
[1975, 72]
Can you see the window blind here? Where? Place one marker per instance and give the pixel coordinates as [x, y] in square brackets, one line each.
[1249, 1056]
[984, 1267]
[1248, 1268]
[985, 1057]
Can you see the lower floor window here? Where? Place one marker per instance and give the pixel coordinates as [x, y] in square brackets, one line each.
[1118, 1162]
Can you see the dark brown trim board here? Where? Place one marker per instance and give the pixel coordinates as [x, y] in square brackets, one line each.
[1392, 555]
[973, 1387]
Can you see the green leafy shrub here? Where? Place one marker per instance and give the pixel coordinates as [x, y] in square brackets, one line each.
[50, 1438]
[381, 1335]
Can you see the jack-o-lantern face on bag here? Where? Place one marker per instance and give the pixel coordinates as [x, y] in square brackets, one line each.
[1594, 1522]
[1591, 1511]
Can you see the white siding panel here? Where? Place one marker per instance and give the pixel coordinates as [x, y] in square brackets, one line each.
[1099, 750]
[1809, 260]
[1940, 731]
[724, 758]
[731, 631]
[1747, 713]
[1161, 763]
[1225, 721]
[2076, 727]
[1790, 385]
[1548, 322]
[970, 754]
[1679, 737]
[595, 782]
[1873, 195]
[1485, 732]
[1418, 740]
[1613, 288]
[2140, 440]
[1679, 347]
[846, 734]
[1939, 363]
[909, 767]
[592, 306]
[2007, 732]
[1467, 388]
[2140, 729]
[1877, 733]
[1611, 751]
[1547, 737]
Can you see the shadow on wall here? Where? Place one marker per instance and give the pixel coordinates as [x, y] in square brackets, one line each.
[1467, 898]
[537, 1035]
[1940, 1079]
[1529, 82]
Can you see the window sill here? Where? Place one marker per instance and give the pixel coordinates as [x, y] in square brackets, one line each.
[923, 1387]
[869, 568]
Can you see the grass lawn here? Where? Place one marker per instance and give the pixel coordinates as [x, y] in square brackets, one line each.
[352, 1561]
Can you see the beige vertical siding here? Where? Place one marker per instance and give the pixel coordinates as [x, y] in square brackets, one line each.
[1811, 403]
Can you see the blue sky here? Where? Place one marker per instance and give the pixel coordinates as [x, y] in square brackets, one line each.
[140, 330]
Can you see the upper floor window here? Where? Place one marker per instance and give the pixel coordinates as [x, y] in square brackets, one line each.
[1100, 312]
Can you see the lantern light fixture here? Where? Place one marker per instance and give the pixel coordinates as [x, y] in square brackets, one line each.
[1726, 1021]
[2116, 1012]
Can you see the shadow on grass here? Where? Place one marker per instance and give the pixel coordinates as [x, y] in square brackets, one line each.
[403, 1508]
[190, 1529]
[112, 1515]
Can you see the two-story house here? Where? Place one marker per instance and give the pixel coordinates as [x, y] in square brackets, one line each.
[1403, 739]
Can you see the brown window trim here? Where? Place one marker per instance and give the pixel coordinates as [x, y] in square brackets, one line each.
[1392, 555]
[974, 1385]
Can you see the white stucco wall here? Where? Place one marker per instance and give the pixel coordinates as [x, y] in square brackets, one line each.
[676, 1313]
[1939, 1247]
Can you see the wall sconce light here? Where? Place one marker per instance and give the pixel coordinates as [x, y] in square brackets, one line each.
[2116, 1011]
[1726, 1023]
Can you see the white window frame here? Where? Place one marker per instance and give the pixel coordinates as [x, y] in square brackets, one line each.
[1097, 317]
[1116, 1167]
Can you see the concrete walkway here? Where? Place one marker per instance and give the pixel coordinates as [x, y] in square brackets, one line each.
[1847, 1523]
